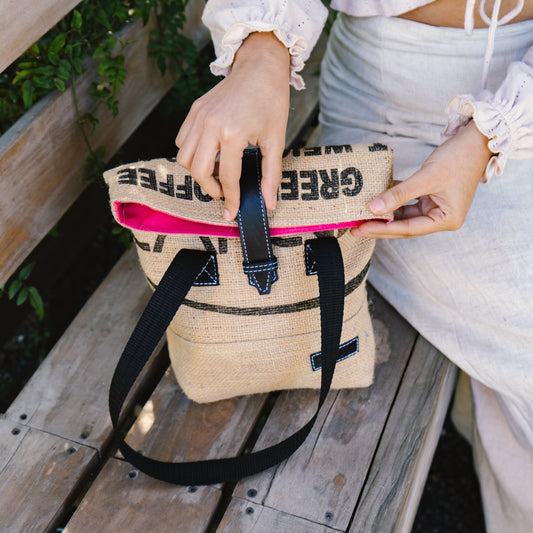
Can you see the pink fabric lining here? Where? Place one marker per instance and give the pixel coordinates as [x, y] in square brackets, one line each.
[144, 218]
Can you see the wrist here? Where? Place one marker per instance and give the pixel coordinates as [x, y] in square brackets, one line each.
[263, 49]
[478, 148]
[478, 141]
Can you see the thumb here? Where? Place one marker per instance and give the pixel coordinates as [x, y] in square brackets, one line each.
[397, 196]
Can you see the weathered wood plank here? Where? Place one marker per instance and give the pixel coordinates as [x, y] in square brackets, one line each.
[173, 428]
[22, 22]
[396, 478]
[11, 436]
[67, 395]
[321, 481]
[169, 428]
[126, 501]
[39, 477]
[42, 155]
[246, 517]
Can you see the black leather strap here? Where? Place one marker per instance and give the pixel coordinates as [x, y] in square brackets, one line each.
[165, 301]
[260, 264]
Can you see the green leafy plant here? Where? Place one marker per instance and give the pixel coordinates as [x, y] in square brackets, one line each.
[19, 288]
[167, 44]
[55, 61]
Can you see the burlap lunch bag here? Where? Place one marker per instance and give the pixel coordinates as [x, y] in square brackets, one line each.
[252, 318]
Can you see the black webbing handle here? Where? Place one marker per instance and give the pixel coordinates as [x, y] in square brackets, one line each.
[155, 319]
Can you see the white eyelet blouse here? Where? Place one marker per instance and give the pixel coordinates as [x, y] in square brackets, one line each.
[505, 117]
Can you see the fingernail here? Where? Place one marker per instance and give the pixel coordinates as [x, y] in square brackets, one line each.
[377, 206]
[227, 215]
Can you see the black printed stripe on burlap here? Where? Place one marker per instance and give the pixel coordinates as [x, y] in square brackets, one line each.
[295, 307]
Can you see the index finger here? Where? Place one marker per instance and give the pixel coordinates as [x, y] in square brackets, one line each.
[397, 229]
[229, 175]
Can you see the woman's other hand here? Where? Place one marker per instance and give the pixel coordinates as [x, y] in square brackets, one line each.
[249, 106]
[444, 187]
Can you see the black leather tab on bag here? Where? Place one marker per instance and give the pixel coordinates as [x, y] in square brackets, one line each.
[310, 263]
[347, 349]
[208, 274]
[260, 264]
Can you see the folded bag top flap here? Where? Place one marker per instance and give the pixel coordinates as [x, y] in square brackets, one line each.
[322, 188]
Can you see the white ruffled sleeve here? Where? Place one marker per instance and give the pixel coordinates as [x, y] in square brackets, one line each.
[505, 117]
[296, 23]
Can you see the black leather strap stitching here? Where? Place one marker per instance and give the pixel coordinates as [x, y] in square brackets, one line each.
[209, 274]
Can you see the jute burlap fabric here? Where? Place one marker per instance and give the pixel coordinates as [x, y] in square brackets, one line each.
[227, 340]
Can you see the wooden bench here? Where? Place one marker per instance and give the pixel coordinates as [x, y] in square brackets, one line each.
[362, 469]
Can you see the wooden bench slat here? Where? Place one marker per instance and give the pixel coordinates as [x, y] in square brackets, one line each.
[329, 470]
[43, 154]
[170, 428]
[11, 435]
[38, 477]
[246, 517]
[67, 395]
[173, 428]
[120, 503]
[396, 479]
[22, 22]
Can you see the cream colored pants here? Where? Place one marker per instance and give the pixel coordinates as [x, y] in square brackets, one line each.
[469, 292]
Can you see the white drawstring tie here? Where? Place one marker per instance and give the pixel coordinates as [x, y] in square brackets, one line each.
[493, 22]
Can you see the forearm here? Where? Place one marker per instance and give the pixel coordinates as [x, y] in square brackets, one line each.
[297, 24]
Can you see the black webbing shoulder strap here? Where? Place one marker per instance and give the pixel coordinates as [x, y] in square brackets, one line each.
[170, 293]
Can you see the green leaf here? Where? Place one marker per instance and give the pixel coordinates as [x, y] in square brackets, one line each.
[26, 270]
[27, 64]
[43, 83]
[99, 52]
[21, 75]
[35, 49]
[76, 20]
[53, 57]
[23, 296]
[77, 64]
[58, 43]
[63, 63]
[36, 301]
[27, 93]
[59, 84]
[63, 73]
[110, 44]
[46, 70]
[16, 284]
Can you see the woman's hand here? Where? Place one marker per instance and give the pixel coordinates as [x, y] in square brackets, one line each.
[444, 187]
[249, 106]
